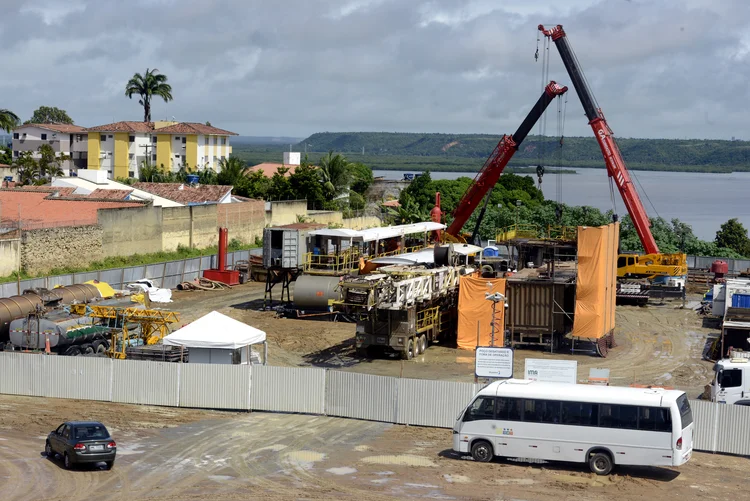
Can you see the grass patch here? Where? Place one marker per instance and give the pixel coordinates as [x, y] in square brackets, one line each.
[133, 260]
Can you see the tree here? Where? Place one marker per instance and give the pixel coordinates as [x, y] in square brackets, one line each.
[6, 155]
[733, 235]
[408, 212]
[280, 187]
[27, 168]
[208, 123]
[361, 177]
[233, 172]
[305, 183]
[50, 162]
[334, 172]
[152, 83]
[48, 115]
[8, 120]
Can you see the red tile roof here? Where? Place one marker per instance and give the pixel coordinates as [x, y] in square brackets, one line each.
[37, 209]
[269, 168]
[103, 194]
[391, 203]
[63, 128]
[186, 194]
[146, 127]
[194, 128]
[124, 127]
[302, 226]
[61, 191]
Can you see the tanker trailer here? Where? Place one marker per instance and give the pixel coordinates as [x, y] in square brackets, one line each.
[67, 335]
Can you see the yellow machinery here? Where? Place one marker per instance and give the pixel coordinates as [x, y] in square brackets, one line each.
[651, 265]
[154, 324]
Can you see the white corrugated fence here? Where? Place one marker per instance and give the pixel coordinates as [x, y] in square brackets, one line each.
[421, 402]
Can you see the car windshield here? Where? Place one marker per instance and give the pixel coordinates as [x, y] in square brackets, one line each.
[90, 432]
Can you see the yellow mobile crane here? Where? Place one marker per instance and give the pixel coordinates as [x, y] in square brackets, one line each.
[154, 324]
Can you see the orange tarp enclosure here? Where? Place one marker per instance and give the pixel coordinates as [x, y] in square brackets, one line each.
[475, 310]
[596, 281]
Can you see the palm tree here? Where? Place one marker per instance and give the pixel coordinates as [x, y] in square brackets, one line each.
[335, 174]
[233, 171]
[8, 120]
[152, 83]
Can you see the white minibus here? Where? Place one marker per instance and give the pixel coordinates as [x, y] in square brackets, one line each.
[603, 426]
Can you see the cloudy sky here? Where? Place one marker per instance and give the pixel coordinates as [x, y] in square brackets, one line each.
[659, 68]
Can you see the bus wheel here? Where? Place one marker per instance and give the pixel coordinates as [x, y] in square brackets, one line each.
[601, 463]
[481, 451]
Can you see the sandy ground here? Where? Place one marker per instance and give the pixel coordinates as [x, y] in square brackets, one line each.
[657, 344]
[179, 454]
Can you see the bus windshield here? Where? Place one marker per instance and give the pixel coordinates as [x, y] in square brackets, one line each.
[686, 414]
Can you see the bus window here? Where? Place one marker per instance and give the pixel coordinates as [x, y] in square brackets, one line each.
[482, 408]
[654, 419]
[686, 414]
[618, 416]
[515, 411]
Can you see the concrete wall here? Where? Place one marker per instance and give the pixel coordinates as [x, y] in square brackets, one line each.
[9, 256]
[245, 221]
[285, 212]
[326, 217]
[192, 226]
[362, 223]
[71, 246]
[130, 231]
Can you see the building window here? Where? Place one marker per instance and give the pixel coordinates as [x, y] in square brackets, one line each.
[15, 153]
[205, 140]
[153, 139]
[110, 136]
[223, 140]
[184, 140]
[223, 158]
[130, 174]
[131, 139]
[153, 158]
[79, 137]
[216, 141]
[15, 136]
[177, 156]
[177, 138]
[131, 156]
[103, 137]
[44, 137]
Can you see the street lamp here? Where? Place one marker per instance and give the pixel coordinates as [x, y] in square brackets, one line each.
[495, 298]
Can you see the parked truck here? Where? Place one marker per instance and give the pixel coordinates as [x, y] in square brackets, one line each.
[731, 383]
[66, 334]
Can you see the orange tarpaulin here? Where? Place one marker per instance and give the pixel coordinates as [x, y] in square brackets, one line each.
[596, 281]
[475, 310]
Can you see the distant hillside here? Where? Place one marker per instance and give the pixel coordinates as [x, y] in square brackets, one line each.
[644, 154]
[258, 140]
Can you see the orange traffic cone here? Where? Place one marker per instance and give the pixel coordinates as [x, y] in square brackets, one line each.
[46, 346]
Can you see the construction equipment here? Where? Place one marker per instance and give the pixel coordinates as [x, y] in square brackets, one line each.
[153, 324]
[654, 263]
[490, 172]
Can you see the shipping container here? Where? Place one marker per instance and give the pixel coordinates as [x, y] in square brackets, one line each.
[741, 301]
[286, 246]
[540, 312]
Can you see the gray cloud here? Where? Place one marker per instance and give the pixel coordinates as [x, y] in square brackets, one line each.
[676, 68]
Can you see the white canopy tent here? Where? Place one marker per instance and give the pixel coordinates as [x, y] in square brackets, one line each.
[215, 338]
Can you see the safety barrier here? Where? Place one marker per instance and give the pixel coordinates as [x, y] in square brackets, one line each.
[421, 402]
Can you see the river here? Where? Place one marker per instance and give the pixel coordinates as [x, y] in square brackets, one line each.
[702, 200]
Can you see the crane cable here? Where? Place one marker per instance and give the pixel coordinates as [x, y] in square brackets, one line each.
[543, 121]
[562, 109]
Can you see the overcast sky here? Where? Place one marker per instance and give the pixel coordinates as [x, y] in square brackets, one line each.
[659, 68]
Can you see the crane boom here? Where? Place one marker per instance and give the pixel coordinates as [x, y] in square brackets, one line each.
[616, 168]
[490, 172]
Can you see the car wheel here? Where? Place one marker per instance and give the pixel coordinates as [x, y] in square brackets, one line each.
[110, 464]
[601, 463]
[66, 462]
[48, 451]
[481, 451]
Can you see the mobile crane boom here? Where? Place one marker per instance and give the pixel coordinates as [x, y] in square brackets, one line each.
[490, 172]
[615, 164]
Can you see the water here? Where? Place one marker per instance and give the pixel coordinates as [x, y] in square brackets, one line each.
[702, 200]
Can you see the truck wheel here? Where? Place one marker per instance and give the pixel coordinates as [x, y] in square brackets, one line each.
[362, 352]
[408, 352]
[73, 351]
[87, 349]
[100, 347]
[422, 344]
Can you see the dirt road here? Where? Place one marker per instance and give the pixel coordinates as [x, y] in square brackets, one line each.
[178, 454]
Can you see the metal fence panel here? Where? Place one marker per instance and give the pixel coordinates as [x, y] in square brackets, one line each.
[10, 289]
[36, 283]
[288, 389]
[171, 281]
[134, 274]
[361, 396]
[85, 277]
[215, 386]
[702, 263]
[192, 265]
[56, 280]
[155, 272]
[741, 265]
[83, 378]
[704, 420]
[241, 255]
[23, 374]
[206, 262]
[733, 434]
[431, 403]
[113, 277]
[23, 285]
[174, 268]
[145, 382]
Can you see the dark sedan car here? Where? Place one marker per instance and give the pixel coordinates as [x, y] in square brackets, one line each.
[80, 442]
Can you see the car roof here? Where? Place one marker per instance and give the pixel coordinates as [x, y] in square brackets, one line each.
[84, 423]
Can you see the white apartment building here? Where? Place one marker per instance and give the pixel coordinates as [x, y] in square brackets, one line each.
[71, 140]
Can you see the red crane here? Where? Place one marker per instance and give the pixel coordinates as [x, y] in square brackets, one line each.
[616, 168]
[490, 172]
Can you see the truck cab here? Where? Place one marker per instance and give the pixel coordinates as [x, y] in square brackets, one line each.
[731, 383]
